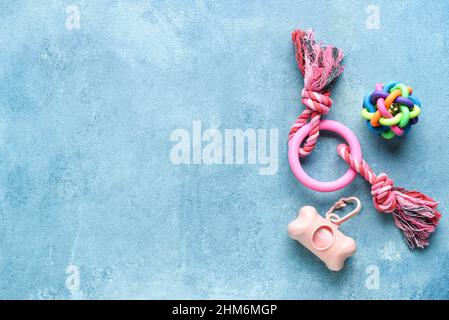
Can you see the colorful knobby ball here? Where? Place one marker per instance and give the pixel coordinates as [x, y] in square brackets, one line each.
[391, 110]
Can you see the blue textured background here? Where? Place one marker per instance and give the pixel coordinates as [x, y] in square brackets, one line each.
[85, 173]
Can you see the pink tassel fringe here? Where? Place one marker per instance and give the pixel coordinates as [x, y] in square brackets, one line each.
[414, 213]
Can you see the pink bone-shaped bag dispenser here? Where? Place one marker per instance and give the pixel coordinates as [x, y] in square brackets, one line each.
[321, 235]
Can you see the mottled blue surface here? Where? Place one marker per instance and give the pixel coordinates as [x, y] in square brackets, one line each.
[86, 179]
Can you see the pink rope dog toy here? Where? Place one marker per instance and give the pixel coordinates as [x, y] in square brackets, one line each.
[414, 213]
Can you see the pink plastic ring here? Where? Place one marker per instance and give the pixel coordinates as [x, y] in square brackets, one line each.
[303, 177]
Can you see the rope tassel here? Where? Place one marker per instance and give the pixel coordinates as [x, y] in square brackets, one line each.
[414, 213]
[321, 66]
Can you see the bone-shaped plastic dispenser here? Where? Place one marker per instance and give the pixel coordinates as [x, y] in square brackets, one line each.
[322, 236]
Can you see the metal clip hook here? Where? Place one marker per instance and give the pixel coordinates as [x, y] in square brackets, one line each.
[340, 204]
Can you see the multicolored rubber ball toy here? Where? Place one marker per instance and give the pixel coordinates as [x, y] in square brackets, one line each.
[391, 110]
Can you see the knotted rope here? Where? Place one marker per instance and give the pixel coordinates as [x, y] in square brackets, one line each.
[320, 66]
[414, 213]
